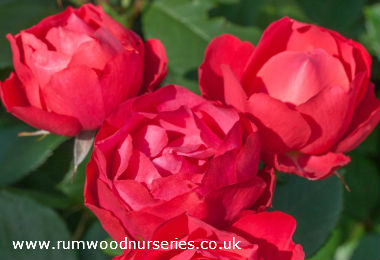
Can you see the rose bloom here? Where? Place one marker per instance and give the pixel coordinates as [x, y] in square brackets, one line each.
[260, 236]
[172, 152]
[72, 70]
[306, 88]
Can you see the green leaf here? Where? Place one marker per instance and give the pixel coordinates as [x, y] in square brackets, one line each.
[46, 177]
[342, 241]
[112, 252]
[94, 233]
[339, 15]
[371, 36]
[258, 12]
[368, 247]
[21, 155]
[370, 146]
[185, 29]
[328, 249]
[21, 219]
[362, 177]
[16, 15]
[51, 200]
[316, 206]
[351, 232]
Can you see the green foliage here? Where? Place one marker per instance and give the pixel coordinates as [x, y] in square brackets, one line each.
[363, 179]
[258, 12]
[340, 15]
[39, 200]
[112, 252]
[94, 233]
[316, 206]
[22, 219]
[368, 247]
[21, 155]
[371, 36]
[185, 29]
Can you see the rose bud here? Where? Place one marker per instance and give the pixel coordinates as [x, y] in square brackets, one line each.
[74, 68]
[305, 87]
[264, 236]
[171, 152]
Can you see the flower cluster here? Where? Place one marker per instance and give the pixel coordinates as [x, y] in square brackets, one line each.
[168, 164]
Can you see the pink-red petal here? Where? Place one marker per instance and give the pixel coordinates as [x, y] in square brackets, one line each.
[155, 65]
[273, 41]
[330, 113]
[295, 77]
[12, 92]
[281, 128]
[228, 50]
[234, 93]
[313, 167]
[365, 119]
[76, 92]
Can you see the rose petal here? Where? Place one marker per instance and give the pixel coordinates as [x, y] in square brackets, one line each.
[181, 97]
[76, 92]
[15, 102]
[122, 156]
[12, 93]
[229, 201]
[273, 41]
[299, 76]
[75, 24]
[248, 158]
[223, 50]
[281, 128]
[110, 223]
[95, 16]
[312, 167]
[307, 37]
[121, 79]
[90, 54]
[150, 140]
[66, 41]
[108, 220]
[167, 188]
[142, 223]
[365, 119]
[330, 111]
[155, 65]
[50, 121]
[167, 98]
[265, 200]
[272, 231]
[44, 64]
[219, 118]
[134, 194]
[234, 93]
[24, 74]
[141, 169]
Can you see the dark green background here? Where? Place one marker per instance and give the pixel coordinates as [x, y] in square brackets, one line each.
[38, 201]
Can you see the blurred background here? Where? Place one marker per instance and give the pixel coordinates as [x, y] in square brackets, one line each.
[39, 202]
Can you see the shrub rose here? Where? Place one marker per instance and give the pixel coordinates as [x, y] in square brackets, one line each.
[261, 236]
[307, 89]
[170, 152]
[72, 69]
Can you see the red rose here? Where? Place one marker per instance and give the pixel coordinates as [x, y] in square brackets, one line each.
[170, 152]
[261, 236]
[74, 68]
[307, 89]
